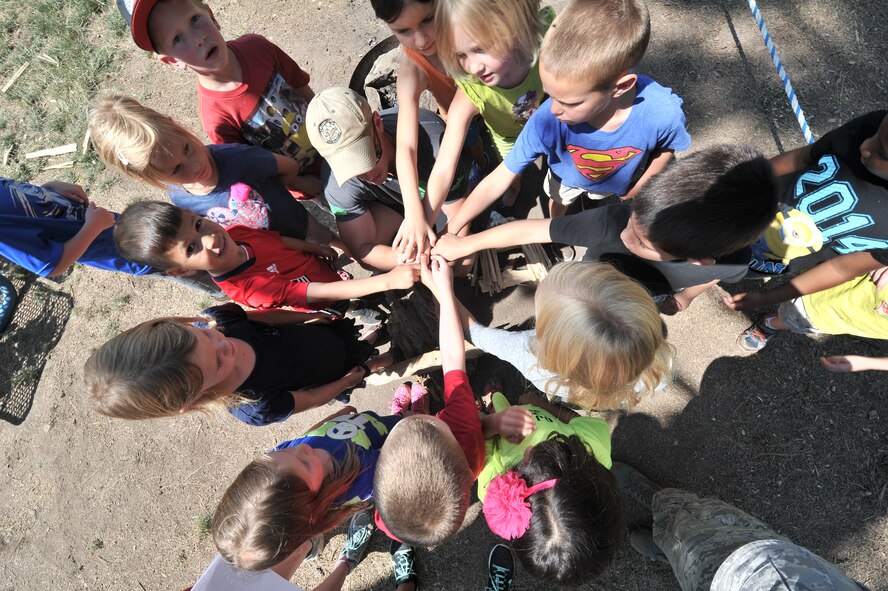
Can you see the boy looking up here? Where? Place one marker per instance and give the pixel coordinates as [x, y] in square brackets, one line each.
[359, 175]
[604, 129]
[249, 90]
[687, 229]
[257, 268]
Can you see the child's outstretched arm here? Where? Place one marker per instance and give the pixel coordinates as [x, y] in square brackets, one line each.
[459, 117]
[792, 161]
[453, 247]
[853, 363]
[401, 277]
[315, 397]
[488, 190]
[658, 162]
[321, 250]
[95, 221]
[416, 233]
[825, 275]
[290, 173]
[437, 276]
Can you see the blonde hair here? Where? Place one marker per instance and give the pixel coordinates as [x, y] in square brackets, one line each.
[145, 372]
[600, 331]
[596, 41]
[428, 506]
[501, 27]
[267, 513]
[127, 134]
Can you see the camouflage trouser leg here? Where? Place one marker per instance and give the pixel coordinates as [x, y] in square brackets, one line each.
[697, 535]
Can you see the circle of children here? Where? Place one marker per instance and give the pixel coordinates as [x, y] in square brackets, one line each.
[544, 473]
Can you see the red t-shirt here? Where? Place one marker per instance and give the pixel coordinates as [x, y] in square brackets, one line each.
[275, 275]
[461, 415]
[265, 110]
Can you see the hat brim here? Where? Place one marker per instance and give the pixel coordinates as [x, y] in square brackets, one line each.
[139, 26]
[353, 160]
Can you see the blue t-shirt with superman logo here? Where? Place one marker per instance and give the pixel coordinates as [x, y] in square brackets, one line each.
[364, 432]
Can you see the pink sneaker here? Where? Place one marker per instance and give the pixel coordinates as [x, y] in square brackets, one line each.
[401, 400]
[419, 399]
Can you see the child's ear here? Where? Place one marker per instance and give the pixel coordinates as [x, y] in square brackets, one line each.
[624, 84]
[180, 272]
[171, 61]
[702, 262]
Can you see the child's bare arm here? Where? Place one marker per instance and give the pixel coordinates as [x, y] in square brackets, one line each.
[824, 276]
[314, 397]
[453, 247]
[487, 191]
[401, 277]
[310, 247]
[438, 277]
[684, 298]
[290, 173]
[346, 410]
[852, 363]
[459, 117]
[792, 161]
[513, 424]
[416, 232]
[96, 220]
[660, 160]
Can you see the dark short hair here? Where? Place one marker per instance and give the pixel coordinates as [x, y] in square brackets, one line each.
[389, 10]
[577, 526]
[709, 204]
[147, 230]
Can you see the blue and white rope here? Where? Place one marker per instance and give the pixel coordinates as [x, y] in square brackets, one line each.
[787, 85]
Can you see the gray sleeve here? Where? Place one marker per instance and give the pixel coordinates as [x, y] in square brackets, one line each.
[513, 347]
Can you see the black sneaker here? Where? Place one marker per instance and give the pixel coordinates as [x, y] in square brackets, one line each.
[360, 529]
[403, 564]
[634, 484]
[500, 569]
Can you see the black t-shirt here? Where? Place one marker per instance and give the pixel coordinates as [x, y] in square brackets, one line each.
[599, 231]
[288, 357]
[831, 208]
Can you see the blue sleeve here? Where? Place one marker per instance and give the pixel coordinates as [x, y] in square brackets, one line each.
[672, 134]
[28, 248]
[530, 145]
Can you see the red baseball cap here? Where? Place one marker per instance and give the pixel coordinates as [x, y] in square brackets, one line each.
[135, 13]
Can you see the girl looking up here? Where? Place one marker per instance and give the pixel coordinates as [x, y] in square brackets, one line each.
[262, 365]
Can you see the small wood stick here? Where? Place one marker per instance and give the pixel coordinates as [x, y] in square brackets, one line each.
[15, 77]
[66, 149]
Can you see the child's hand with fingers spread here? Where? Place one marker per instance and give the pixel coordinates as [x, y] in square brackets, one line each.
[744, 301]
[402, 277]
[68, 190]
[449, 246]
[516, 423]
[414, 238]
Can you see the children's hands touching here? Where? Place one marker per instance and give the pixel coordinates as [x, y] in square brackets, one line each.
[744, 301]
[414, 238]
[436, 275]
[68, 190]
[402, 277]
[515, 423]
[449, 247]
[97, 218]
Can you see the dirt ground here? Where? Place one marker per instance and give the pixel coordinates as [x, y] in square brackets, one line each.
[93, 503]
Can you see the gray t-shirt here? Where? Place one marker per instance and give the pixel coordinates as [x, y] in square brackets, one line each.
[350, 200]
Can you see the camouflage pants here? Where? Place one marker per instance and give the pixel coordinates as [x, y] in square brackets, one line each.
[697, 535]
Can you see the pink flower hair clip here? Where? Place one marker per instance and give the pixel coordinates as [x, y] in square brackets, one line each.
[506, 507]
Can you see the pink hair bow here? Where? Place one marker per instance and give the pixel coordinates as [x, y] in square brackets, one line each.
[506, 507]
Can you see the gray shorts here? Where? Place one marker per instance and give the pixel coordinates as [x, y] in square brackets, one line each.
[698, 534]
[793, 315]
[565, 195]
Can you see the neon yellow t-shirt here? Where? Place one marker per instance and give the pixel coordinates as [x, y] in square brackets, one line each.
[855, 307]
[506, 110]
[502, 455]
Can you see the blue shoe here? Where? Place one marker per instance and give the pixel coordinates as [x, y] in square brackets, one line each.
[403, 564]
[360, 529]
[756, 336]
[500, 568]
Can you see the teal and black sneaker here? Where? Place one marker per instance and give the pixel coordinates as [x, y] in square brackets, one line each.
[500, 568]
[360, 529]
[403, 564]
